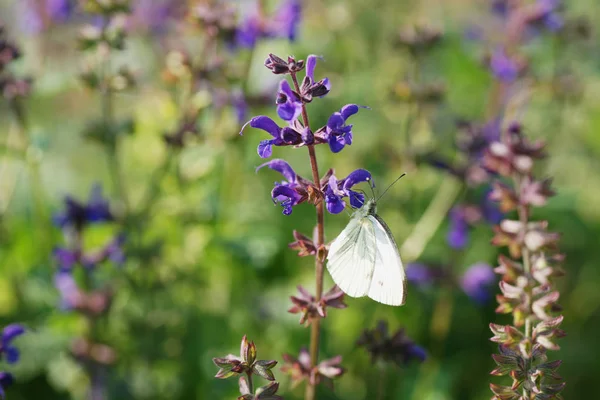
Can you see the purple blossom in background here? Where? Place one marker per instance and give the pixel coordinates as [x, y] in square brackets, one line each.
[477, 282]
[499, 7]
[60, 10]
[458, 235]
[6, 348]
[283, 24]
[9, 352]
[240, 106]
[550, 17]
[78, 215]
[489, 209]
[420, 275]
[68, 289]
[66, 258]
[337, 190]
[503, 67]
[286, 20]
[155, 15]
[35, 16]
[113, 251]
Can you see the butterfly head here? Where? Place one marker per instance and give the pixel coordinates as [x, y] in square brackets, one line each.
[370, 206]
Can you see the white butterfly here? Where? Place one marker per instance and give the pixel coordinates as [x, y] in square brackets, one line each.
[364, 259]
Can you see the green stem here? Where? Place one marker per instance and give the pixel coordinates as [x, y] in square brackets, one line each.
[431, 219]
[250, 383]
[111, 136]
[32, 159]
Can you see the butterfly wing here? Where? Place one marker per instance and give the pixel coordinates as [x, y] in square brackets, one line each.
[388, 285]
[351, 258]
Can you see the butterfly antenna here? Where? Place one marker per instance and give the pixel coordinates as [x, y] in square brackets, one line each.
[388, 188]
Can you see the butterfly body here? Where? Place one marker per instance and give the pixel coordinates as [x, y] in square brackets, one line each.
[364, 259]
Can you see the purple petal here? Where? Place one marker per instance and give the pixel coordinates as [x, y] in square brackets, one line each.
[289, 111]
[334, 204]
[360, 175]
[67, 287]
[265, 149]
[282, 167]
[419, 274]
[12, 331]
[503, 67]
[356, 199]
[335, 121]
[336, 143]
[266, 124]
[288, 18]
[311, 63]
[240, 106]
[349, 110]
[459, 229]
[327, 85]
[12, 354]
[65, 258]
[285, 88]
[477, 281]
[417, 352]
[290, 136]
[287, 196]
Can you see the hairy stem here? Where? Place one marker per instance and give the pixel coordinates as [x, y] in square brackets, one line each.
[250, 383]
[523, 212]
[315, 329]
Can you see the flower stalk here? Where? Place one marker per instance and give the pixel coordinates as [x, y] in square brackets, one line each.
[315, 330]
[527, 275]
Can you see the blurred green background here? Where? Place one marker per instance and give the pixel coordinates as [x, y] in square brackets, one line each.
[215, 262]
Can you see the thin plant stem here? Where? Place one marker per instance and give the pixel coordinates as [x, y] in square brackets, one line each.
[111, 136]
[38, 193]
[431, 220]
[250, 383]
[523, 212]
[381, 381]
[315, 330]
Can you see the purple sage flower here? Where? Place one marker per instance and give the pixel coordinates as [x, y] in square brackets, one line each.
[290, 192]
[458, 235]
[477, 281]
[419, 274]
[286, 20]
[77, 214]
[550, 17]
[504, 68]
[283, 24]
[240, 105]
[68, 289]
[66, 258]
[338, 133]
[337, 190]
[289, 105]
[6, 348]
